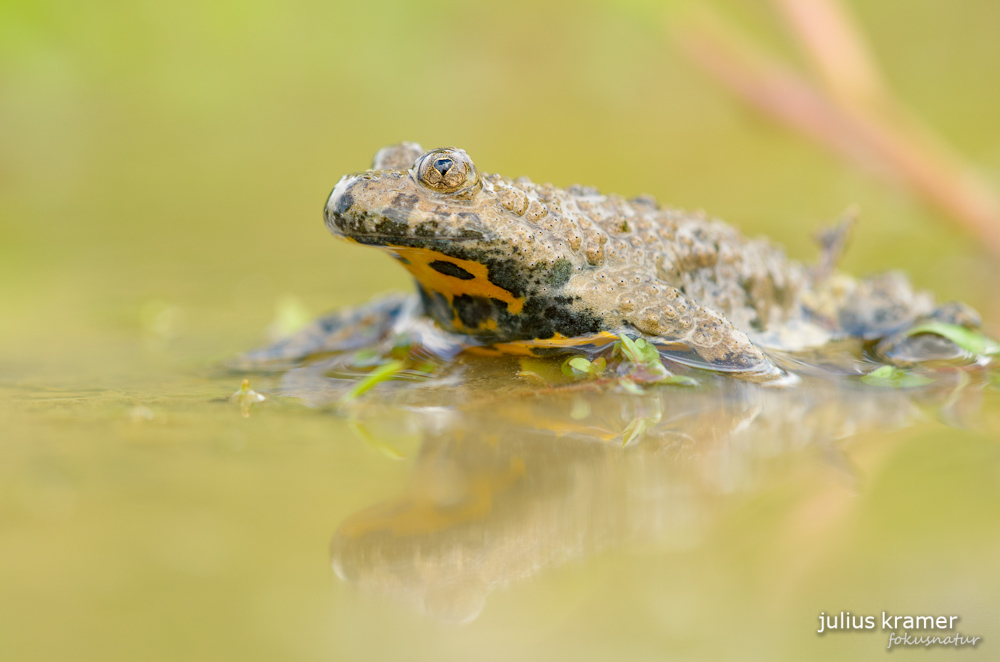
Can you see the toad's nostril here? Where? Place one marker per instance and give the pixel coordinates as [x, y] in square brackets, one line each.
[443, 166]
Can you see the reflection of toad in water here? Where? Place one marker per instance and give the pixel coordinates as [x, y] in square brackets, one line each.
[535, 482]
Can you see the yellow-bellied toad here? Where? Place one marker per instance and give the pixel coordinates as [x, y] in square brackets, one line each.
[513, 264]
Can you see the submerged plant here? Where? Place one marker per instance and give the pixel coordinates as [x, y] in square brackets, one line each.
[382, 373]
[643, 359]
[893, 377]
[405, 358]
[579, 366]
[630, 364]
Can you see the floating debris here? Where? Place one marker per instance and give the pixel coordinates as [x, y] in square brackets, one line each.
[246, 397]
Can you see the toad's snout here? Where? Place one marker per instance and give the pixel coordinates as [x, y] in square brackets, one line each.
[337, 214]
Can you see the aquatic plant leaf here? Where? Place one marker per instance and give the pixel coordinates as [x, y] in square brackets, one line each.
[567, 368]
[649, 354]
[578, 366]
[969, 340]
[645, 358]
[678, 380]
[630, 350]
[380, 374]
[893, 377]
[883, 372]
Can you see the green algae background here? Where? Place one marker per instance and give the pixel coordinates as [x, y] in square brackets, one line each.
[163, 167]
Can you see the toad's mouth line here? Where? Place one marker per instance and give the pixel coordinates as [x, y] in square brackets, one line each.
[405, 237]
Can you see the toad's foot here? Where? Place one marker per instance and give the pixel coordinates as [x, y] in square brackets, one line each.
[715, 340]
[364, 327]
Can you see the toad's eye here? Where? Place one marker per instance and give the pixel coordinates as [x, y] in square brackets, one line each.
[446, 170]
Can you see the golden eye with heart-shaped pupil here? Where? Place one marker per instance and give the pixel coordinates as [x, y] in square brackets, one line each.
[446, 170]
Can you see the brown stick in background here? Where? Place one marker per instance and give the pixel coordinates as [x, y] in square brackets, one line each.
[850, 110]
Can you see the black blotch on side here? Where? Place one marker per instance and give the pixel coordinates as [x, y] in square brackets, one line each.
[559, 273]
[390, 227]
[508, 275]
[472, 311]
[543, 317]
[344, 203]
[427, 229]
[398, 216]
[435, 306]
[450, 269]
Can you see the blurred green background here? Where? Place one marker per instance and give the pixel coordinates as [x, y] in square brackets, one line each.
[183, 152]
[163, 167]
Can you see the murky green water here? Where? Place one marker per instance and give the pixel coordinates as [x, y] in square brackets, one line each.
[162, 169]
[158, 522]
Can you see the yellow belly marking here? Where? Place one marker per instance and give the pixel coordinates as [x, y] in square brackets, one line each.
[525, 347]
[419, 265]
